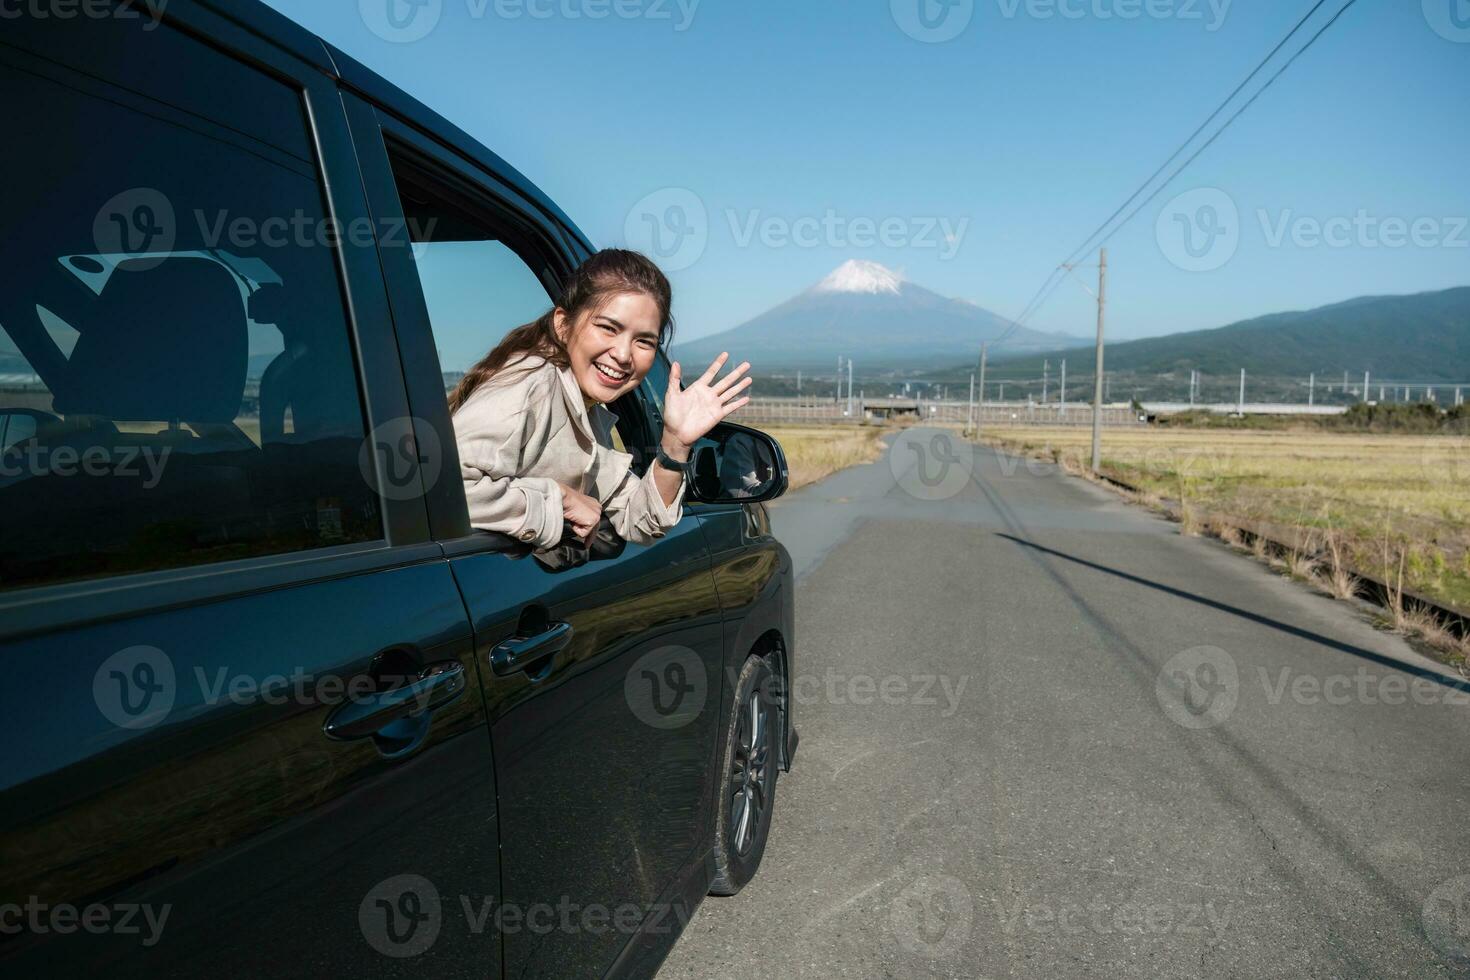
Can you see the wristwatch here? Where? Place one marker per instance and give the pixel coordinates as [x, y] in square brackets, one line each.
[670, 463]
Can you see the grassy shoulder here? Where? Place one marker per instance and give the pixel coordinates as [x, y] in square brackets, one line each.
[814, 452]
[1394, 506]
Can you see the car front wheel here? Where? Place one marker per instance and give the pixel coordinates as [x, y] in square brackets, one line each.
[748, 789]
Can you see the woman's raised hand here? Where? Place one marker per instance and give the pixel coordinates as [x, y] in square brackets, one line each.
[691, 412]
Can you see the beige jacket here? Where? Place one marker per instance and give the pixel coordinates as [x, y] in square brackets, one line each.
[525, 431]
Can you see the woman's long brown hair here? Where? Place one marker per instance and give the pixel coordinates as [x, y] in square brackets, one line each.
[605, 274]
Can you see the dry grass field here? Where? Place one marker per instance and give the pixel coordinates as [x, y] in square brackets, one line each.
[1392, 505]
[816, 451]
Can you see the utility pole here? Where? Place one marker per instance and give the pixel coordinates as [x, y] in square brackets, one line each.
[970, 414]
[1064, 387]
[1311, 385]
[1365, 386]
[1097, 387]
[849, 387]
[980, 416]
[838, 397]
[1045, 376]
[1240, 405]
[798, 383]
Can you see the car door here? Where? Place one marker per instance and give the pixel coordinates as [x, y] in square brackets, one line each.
[601, 679]
[242, 728]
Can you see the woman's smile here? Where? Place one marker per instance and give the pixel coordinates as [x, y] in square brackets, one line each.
[609, 374]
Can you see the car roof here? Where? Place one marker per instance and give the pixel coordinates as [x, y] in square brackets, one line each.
[285, 33]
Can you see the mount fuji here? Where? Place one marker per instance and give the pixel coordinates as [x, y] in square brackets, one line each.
[870, 313]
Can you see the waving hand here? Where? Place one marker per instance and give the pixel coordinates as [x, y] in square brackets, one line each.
[691, 412]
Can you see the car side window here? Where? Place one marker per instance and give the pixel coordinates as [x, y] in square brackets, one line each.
[480, 280]
[176, 379]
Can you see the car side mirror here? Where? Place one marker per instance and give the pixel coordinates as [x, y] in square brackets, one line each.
[734, 464]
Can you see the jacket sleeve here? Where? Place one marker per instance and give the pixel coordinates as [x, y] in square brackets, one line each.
[633, 503]
[492, 434]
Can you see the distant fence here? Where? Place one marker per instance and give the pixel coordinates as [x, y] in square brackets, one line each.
[796, 411]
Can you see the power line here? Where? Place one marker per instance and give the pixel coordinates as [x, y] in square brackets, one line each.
[1192, 136]
[1238, 114]
[1055, 277]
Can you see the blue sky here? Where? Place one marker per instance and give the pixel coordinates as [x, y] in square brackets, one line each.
[803, 129]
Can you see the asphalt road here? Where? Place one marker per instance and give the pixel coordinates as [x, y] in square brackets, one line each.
[1044, 735]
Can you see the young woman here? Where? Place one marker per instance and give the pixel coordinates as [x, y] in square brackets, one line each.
[533, 429]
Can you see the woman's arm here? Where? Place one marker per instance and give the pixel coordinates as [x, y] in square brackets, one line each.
[491, 433]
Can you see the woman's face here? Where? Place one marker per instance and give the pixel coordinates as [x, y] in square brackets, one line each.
[612, 348]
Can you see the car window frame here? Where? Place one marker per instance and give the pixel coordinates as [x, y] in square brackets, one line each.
[29, 610]
[382, 138]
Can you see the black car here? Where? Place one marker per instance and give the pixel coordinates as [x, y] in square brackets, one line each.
[272, 706]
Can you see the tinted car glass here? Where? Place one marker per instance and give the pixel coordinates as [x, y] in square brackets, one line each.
[176, 380]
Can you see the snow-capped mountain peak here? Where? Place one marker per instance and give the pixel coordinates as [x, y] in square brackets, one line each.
[860, 276]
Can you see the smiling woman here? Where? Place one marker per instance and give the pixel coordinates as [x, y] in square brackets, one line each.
[532, 423]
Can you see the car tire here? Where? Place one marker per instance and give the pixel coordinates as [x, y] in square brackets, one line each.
[747, 786]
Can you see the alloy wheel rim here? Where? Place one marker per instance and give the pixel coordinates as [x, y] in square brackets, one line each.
[749, 775]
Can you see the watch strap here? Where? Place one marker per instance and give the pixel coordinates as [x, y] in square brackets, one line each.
[670, 463]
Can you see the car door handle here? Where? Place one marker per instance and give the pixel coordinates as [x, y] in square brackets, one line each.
[521, 652]
[437, 685]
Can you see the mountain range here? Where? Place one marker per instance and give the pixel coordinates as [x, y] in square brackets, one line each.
[872, 314]
[1418, 337]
